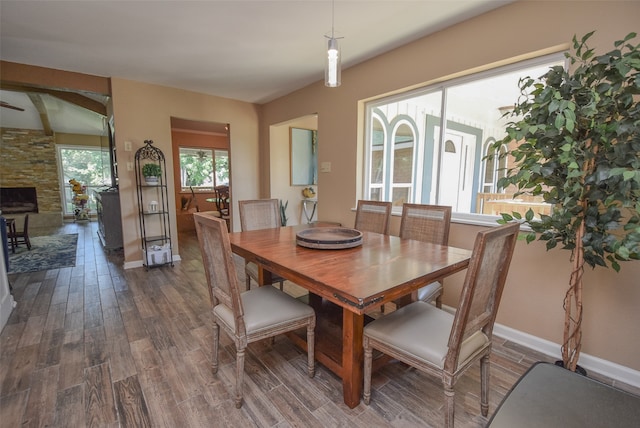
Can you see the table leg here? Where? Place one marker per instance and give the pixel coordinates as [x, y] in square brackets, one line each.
[352, 357]
[264, 276]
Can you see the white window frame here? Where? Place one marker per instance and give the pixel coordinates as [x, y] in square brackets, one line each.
[213, 152]
[65, 187]
[419, 168]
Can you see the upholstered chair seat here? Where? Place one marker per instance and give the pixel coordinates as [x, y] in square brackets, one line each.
[405, 329]
[265, 310]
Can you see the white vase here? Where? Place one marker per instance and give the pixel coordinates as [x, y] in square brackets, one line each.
[151, 180]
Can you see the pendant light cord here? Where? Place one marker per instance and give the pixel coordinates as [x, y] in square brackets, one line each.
[333, 16]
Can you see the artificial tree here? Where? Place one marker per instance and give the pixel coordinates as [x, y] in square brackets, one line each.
[577, 144]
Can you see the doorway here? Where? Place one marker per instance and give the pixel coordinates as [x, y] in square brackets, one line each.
[201, 161]
[457, 171]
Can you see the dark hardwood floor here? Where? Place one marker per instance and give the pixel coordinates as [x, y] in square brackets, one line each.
[97, 345]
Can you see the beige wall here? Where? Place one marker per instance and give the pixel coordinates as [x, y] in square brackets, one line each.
[81, 140]
[143, 112]
[532, 302]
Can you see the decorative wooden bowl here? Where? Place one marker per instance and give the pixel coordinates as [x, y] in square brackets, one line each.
[329, 238]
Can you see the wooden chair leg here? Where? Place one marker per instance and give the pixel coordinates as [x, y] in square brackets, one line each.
[216, 345]
[484, 385]
[449, 406]
[368, 359]
[439, 301]
[439, 296]
[239, 376]
[311, 362]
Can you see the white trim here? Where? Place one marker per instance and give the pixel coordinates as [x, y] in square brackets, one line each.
[138, 263]
[6, 298]
[589, 362]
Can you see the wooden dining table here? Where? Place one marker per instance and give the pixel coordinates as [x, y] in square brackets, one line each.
[357, 280]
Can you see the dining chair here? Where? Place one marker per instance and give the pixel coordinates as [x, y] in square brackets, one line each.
[221, 198]
[18, 237]
[428, 223]
[246, 317]
[222, 203]
[373, 216]
[443, 344]
[258, 214]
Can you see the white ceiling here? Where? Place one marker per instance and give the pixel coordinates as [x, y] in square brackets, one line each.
[252, 51]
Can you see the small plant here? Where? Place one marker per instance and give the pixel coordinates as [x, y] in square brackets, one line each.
[151, 170]
[283, 213]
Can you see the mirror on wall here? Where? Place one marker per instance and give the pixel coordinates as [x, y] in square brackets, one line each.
[304, 157]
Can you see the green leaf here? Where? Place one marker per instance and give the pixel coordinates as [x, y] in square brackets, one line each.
[529, 215]
[506, 217]
[559, 122]
[570, 125]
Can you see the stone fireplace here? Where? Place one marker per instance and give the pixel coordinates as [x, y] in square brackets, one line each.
[29, 161]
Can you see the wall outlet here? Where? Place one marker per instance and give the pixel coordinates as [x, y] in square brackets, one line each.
[127, 146]
[325, 167]
[129, 166]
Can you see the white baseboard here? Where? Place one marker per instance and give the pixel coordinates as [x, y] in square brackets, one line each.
[589, 362]
[138, 263]
[6, 307]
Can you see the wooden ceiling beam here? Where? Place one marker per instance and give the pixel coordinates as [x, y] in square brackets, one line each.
[70, 97]
[44, 117]
[32, 75]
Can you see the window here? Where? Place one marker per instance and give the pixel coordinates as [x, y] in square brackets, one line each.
[90, 166]
[410, 159]
[203, 168]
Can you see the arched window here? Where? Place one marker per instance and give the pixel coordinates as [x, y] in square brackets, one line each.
[377, 156]
[404, 142]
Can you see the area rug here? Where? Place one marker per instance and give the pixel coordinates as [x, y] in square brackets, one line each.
[47, 252]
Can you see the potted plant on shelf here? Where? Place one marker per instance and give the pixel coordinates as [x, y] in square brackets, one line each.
[151, 172]
[577, 136]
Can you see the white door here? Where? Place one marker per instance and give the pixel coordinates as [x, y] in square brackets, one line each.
[456, 171]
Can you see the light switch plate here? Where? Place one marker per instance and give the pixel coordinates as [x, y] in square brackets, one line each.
[325, 167]
[127, 146]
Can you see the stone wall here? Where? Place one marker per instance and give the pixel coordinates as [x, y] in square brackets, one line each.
[29, 159]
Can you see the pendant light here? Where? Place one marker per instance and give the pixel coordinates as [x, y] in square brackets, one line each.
[332, 63]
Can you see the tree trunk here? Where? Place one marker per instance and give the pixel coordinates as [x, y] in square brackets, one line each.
[573, 307]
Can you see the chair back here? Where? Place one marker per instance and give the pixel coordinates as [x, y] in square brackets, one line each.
[259, 214]
[25, 228]
[373, 216]
[222, 199]
[482, 289]
[428, 223]
[219, 266]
